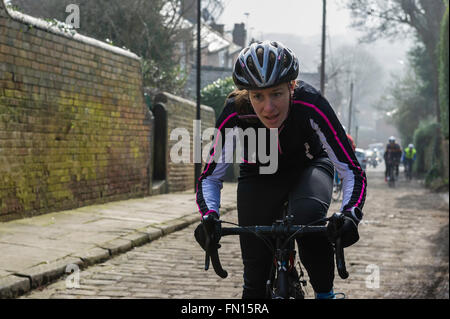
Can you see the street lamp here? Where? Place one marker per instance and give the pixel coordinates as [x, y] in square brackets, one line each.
[322, 64]
[197, 129]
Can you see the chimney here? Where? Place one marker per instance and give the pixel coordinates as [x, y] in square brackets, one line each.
[218, 27]
[189, 10]
[240, 34]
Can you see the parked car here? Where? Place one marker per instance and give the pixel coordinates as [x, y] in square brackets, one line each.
[361, 157]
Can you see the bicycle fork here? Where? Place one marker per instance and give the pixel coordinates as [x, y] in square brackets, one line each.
[288, 283]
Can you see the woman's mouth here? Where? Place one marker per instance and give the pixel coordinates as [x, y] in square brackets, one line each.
[271, 118]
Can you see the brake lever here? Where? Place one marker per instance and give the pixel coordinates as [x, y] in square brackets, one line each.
[340, 259]
[222, 273]
[207, 259]
[207, 256]
[212, 255]
[337, 220]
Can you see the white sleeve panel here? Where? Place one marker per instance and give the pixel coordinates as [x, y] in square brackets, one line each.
[345, 173]
[213, 183]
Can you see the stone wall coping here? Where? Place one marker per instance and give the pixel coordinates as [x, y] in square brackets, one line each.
[163, 97]
[71, 33]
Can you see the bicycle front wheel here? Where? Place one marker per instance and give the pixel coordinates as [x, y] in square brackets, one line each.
[282, 285]
[391, 176]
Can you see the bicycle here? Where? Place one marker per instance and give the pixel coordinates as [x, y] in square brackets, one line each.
[337, 188]
[391, 175]
[408, 170]
[286, 283]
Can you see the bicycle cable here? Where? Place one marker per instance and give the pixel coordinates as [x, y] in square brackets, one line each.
[325, 219]
[264, 239]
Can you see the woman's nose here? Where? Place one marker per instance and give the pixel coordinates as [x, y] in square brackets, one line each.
[269, 106]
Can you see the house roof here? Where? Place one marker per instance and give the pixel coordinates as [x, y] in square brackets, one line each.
[212, 40]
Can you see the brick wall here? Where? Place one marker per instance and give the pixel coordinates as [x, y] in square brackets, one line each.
[74, 128]
[180, 114]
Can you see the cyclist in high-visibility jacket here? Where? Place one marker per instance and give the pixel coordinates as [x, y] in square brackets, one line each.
[309, 144]
[409, 156]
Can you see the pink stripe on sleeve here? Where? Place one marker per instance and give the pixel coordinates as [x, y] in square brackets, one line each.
[215, 144]
[338, 141]
[210, 160]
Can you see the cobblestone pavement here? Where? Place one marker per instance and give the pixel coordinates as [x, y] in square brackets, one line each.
[402, 253]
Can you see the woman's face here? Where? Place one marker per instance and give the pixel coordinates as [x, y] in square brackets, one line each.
[272, 104]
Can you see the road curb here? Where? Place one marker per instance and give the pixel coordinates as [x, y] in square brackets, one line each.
[12, 286]
[20, 283]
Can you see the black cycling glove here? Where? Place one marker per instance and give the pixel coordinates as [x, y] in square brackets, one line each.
[209, 228]
[348, 230]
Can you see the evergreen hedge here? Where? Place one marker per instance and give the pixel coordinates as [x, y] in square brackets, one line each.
[443, 74]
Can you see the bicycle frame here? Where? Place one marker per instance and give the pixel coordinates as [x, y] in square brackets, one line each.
[284, 263]
[391, 174]
[408, 170]
[337, 187]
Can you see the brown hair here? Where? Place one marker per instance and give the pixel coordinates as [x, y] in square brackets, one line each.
[241, 101]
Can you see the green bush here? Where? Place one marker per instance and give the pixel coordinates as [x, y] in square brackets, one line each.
[432, 175]
[426, 143]
[214, 94]
[443, 74]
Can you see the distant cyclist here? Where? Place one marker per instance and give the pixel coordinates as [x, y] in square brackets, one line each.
[408, 158]
[392, 156]
[311, 142]
[350, 139]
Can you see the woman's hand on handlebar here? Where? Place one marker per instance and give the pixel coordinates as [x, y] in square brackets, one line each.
[345, 226]
[208, 232]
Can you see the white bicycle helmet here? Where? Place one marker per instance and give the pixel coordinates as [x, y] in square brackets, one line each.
[264, 64]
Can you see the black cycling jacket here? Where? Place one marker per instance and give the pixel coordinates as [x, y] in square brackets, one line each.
[311, 130]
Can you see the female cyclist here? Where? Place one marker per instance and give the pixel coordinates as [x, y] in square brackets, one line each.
[311, 141]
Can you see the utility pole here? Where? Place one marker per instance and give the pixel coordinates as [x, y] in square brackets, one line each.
[350, 109]
[356, 134]
[322, 64]
[197, 129]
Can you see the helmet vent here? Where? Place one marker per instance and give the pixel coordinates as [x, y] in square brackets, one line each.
[252, 68]
[260, 55]
[238, 69]
[271, 64]
[286, 60]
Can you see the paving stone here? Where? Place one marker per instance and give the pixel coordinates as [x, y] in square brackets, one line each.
[408, 249]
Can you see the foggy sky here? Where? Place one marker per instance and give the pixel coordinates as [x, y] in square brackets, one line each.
[300, 22]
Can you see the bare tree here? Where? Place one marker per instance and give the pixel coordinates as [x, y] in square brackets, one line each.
[152, 29]
[353, 64]
[393, 18]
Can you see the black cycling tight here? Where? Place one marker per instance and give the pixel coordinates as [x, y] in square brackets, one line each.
[260, 200]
